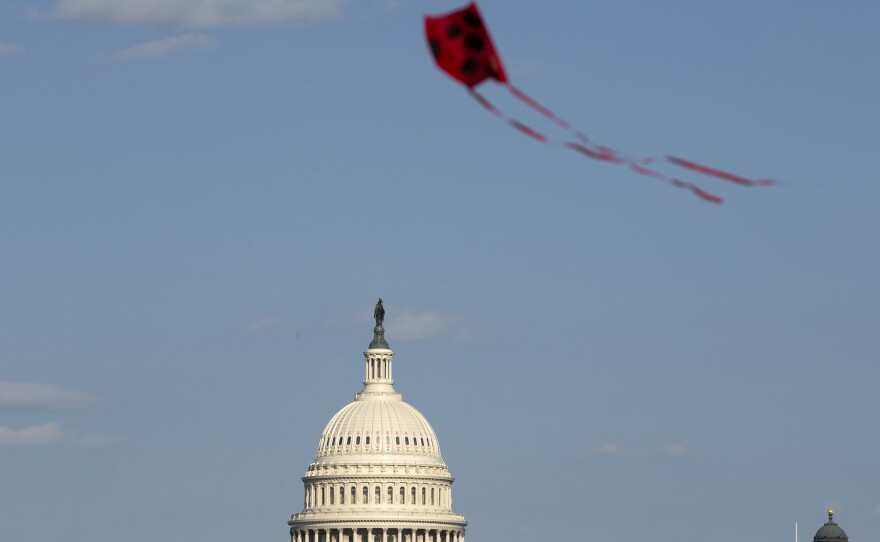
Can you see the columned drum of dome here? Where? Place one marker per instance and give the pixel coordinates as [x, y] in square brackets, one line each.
[378, 475]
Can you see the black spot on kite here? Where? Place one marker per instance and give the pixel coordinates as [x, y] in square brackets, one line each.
[453, 31]
[472, 19]
[469, 66]
[435, 49]
[475, 42]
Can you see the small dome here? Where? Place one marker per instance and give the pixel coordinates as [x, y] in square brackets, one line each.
[830, 532]
[381, 426]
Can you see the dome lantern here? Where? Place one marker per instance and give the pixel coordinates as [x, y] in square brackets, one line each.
[378, 379]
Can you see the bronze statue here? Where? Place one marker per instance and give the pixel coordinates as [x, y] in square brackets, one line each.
[379, 313]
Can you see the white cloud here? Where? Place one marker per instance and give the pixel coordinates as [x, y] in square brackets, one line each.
[676, 450]
[164, 47]
[8, 49]
[406, 324]
[196, 13]
[92, 441]
[36, 537]
[263, 323]
[50, 434]
[612, 449]
[524, 68]
[413, 326]
[40, 435]
[15, 395]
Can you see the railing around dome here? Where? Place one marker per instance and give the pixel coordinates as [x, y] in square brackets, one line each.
[311, 516]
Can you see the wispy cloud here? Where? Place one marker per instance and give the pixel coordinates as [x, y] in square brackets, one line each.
[25, 396]
[164, 47]
[264, 323]
[39, 435]
[196, 13]
[35, 537]
[676, 450]
[409, 325]
[524, 68]
[18, 396]
[50, 434]
[92, 441]
[9, 49]
[612, 449]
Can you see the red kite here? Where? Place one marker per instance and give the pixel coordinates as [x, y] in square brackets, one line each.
[462, 48]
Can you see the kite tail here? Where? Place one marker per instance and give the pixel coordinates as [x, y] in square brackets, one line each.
[596, 152]
[712, 172]
[531, 102]
[610, 155]
[605, 153]
[531, 132]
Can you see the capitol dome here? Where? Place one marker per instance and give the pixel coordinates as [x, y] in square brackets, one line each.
[830, 532]
[378, 475]
[379, 426]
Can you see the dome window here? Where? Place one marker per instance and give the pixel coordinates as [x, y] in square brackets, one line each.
[378, 495]
[368, 440]
[402, 495]
[348, 442]
[357, 440]
[413, 495]
[423, 441]
[366, 495]
[397, 440]
[406, 440]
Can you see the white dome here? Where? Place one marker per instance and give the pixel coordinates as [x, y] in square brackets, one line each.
[378, 425]
[378, 473]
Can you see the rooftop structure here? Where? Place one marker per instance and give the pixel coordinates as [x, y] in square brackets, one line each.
[378, 475]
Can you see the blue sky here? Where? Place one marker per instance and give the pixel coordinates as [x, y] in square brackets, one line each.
[201, 201]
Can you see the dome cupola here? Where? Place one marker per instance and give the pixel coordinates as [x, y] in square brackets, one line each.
[830, 532]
